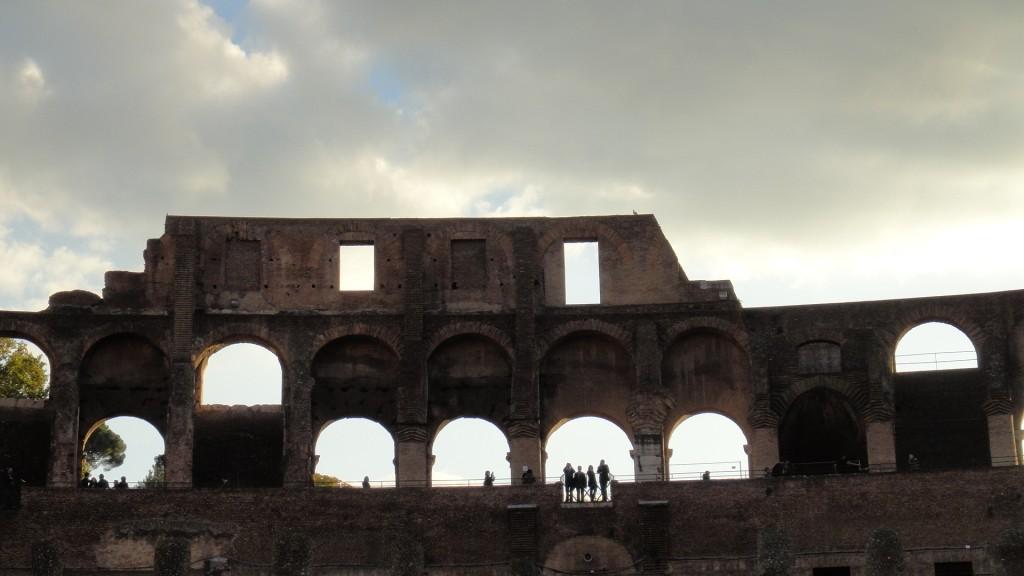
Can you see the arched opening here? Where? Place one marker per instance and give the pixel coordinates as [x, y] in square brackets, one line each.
[934, 346]
[24, 369]
[243, 374]
[821, 434]
[123, 375]
[122, 449]
[708, 443]
[354, 376]
[469, 376]
[464, 448]
[706, 370]
[939, 395]
[24, 439]
[351, 449]
[585, 441]
[586, 374]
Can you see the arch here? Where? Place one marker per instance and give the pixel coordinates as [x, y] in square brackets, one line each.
[39, 336]
[586, 373]
[31, 349]
[124, 374]
[387, 336]
[585, 441]
[821, 433]
[143, 440]
[856, 395]
[555, 336]
[718, 446]
[464, 448]
[351, 448]
[931, 346]
[242, 374]
[220, 337]
[590, 555]
[709, 323]
[706, 369]
[907, 320]
[354, 376]
[469, 375]
[93, 338]
[456, 329]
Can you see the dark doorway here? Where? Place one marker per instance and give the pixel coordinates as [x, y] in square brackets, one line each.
[832, 571]
[954, 569]
[821, 435]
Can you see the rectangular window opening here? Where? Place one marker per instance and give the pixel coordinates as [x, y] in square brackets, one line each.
[355, 266]
[954, 569]
[582, 272]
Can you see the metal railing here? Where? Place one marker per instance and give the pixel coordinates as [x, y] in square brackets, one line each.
[714, 470]
[923, 361]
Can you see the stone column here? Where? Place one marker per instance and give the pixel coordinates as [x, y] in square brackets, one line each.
[525, 450]
[63, 467]
[525, 443]
[881, 446]
[179, 438]
[646, 414]
[648, 455]
[764, 450]
[1002, 440]
[413, 461]
[298, 423]
[413, 464]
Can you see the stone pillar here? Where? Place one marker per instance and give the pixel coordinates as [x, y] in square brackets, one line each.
[881, 446]
[1002, 443]
[648, 407]
[298, 424]
[179, 438]
[63, 466]
[178, 441]
[413, 464]
[648, 455]
[525, 443]
[525, 450]
[413, 461]
[764, 450]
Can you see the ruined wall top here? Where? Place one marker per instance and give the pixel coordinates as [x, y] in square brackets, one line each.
[269, 265]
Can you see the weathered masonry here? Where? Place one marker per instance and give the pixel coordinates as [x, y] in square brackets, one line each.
[468, 318]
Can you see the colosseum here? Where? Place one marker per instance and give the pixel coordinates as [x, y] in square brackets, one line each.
[885, 472]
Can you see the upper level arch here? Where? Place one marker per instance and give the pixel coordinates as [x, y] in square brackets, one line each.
[933, 312]
[124, 374]
[355, 375]
[556, 335]
[706, 369]
[242, 373]
[390, 337]
[39, 335]
[219, 337]
[456, 329]
[469, 375]
[934, 346]
[709, 324]
[586, 373]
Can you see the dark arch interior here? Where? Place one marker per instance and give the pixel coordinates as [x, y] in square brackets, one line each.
[124, 375]
[468, 376]
[354, 376]
[819, 433]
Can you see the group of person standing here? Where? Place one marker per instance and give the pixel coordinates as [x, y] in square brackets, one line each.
[102, 483]
[579, 484]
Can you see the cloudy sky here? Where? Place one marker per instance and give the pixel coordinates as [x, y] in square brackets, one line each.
[808, 151]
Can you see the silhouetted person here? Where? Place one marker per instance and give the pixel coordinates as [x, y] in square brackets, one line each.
[579, 482]
[569, 478]
[122, 484]
[767, 472]
[592, 483]
[488, 478]
[366, 481]
[912, 462]
[603, 476]
[528, 477]
[706, 475]
[102, 483]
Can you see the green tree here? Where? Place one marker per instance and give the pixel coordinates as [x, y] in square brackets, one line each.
[157, 474]
[104, 449]
[327, 481]
[22, 374]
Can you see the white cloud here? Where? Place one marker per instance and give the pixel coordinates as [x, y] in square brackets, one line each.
[30, 82]
[32, 273]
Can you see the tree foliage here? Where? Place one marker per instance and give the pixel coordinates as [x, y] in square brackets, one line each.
[327, 481]
[104, 449]
[157, 475]
[22, 374]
